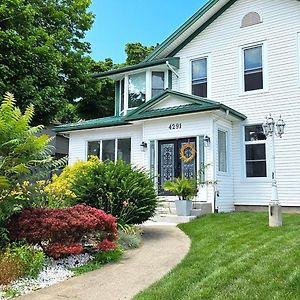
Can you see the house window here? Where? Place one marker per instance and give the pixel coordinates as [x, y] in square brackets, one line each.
[122, 89]
[255, 151]
[94, 149]
[136, 89]
[108, 150]
[158, 83]
[253, 68]
[124, 150]
[222, 151]
[199, 77]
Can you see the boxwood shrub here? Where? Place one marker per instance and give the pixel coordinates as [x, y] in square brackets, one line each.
[119, 189]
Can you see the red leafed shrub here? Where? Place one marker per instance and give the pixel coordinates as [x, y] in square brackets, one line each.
[106, 245]
[63, 231]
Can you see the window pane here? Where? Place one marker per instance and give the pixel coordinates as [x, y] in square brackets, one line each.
[256, 152]
[253, 58]
[93, 149]
[200, 90]
[158, 83]
[122, 94]
[254, 133]
[256, 169]
[124, 149]
[136, 90]
[199, 69]
[254, 81]
[108, 150]
[222, 155]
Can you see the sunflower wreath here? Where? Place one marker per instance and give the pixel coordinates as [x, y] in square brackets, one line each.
[183, 152]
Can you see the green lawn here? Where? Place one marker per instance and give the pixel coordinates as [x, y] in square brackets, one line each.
[235, 256]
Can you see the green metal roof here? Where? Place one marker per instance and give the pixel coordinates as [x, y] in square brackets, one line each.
[197, 104]
[148, 111]
[191, 21]
[95, 123]
[174, 61]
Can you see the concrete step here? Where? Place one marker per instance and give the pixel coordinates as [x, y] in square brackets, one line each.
[172, 219]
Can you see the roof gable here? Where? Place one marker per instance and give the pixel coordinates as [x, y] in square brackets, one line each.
[190, 29]
[187, 104]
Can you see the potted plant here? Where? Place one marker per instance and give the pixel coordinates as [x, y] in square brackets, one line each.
[185, 189]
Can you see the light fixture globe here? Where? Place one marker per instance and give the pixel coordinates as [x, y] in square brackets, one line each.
[280, 127]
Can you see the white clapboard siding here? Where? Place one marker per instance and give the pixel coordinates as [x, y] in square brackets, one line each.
[222, 42]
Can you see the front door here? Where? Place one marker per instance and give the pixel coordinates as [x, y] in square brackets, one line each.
[176, 158]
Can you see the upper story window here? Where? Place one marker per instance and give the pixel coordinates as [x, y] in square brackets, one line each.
[199, 77]
[122, 94]
[158, 83]
[255, 148]
[253, 68]
[136, 89]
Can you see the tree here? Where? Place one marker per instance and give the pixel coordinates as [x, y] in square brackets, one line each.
[42, 55]
[136, 52]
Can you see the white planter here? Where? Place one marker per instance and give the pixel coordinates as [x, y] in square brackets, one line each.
[183, 207]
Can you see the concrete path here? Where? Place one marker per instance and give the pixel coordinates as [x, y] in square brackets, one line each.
[162, 249]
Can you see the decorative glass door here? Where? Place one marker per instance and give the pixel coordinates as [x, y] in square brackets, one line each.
[176, 158]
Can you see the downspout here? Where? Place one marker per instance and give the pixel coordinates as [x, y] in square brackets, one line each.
[215, 191]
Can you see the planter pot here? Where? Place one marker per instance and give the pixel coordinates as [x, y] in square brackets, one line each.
[183, 207]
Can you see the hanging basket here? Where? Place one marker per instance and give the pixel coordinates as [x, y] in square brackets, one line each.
[187, 152]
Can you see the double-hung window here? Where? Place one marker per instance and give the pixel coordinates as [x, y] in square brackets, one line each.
[253, 68]
[199, 77]
[158, 83]
[255, 151]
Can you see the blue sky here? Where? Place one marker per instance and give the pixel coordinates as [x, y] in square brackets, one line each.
[118, 22]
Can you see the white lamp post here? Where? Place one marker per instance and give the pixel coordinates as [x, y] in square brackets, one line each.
[271, 130]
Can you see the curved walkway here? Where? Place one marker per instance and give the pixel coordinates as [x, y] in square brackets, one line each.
[163, 248]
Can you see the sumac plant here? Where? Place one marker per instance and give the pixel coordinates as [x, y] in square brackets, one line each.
[61, 232]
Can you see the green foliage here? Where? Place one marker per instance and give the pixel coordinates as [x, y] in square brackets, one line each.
[136, 52]
[32, 260]
[22, 150]
[184, 188]
[129, 240]
[126, 192]
[20, 260]
[100, 258]
[44, 55]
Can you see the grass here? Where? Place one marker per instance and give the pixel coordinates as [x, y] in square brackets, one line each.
[235, 256]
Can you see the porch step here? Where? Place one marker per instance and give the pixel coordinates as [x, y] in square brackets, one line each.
[173, 219]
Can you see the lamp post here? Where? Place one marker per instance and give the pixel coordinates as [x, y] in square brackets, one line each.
[272, 129]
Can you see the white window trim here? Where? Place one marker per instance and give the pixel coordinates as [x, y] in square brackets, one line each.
[193, 58]
[227, 134]
[243, 150]
[116, 146]
[265, 88]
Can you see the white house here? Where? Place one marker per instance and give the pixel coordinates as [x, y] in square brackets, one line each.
[208, 88]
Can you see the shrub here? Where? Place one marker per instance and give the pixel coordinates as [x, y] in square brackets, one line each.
[61, 232]
[129, 241]
[20, 260]
[124, 191]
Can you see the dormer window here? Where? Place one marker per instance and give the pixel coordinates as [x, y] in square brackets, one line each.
[136, 89]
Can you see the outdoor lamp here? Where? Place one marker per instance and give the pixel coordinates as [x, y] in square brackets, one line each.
[280, 127]
[143, 146]
[206, 141]
[272, 129]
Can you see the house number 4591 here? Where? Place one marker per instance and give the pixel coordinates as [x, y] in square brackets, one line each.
[175, 126]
